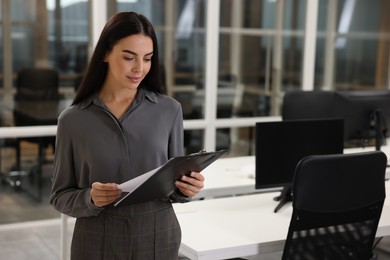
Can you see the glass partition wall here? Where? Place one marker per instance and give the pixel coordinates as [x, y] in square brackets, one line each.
[51, 37]
[228, 62]
[259, 47]
[261, 51]
[45, 33]
[352, 45]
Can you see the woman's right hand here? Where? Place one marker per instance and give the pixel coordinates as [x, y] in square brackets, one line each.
[103, 194]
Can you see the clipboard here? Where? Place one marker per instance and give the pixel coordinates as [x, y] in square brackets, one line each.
[160, 182]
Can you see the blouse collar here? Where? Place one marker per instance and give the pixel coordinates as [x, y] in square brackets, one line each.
[141, 95]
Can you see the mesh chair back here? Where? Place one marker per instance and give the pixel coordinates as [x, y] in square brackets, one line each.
[36, 84]
[308, 105]
[337, 204]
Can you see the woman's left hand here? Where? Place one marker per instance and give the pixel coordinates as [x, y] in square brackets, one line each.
[190, 185]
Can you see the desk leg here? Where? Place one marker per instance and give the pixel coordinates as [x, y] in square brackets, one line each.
[41, 161]
[64, 237]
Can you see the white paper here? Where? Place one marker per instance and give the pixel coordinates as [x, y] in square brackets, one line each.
[133, 184]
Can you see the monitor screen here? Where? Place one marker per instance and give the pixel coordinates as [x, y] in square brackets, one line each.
[280, 145]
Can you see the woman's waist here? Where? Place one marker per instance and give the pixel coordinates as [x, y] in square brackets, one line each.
[138, 208]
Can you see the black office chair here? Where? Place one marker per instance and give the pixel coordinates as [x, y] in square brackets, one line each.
[308, 105]
[35, 85]
[337, 204]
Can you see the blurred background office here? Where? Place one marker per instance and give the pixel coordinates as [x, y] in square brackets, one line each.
[229, 62]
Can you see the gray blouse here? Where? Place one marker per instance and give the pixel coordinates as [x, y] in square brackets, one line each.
[93, 146]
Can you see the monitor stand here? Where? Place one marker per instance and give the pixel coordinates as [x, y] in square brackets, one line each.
[284, 197]
[377, 122]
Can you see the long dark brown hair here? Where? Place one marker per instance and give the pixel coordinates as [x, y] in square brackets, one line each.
[118, 27]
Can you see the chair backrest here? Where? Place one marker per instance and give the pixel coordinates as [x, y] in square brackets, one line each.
[37, 84]
[337, 204]
[308, 104]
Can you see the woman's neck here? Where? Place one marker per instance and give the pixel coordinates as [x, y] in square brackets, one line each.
[117, 101]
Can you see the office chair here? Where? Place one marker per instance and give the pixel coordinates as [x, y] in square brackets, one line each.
[35, 85]
[337, 204]
[308, 104]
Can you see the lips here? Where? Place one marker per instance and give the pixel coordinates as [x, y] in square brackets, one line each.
[134, 79]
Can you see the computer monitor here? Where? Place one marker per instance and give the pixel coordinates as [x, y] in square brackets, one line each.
[366, 115]
[281, 145]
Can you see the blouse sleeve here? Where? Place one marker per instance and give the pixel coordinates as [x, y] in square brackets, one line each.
[66, 196]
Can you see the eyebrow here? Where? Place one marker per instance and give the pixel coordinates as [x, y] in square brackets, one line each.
[134, 53]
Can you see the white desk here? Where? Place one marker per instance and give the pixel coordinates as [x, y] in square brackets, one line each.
[224, 228]
[229, 177]
[241, 226]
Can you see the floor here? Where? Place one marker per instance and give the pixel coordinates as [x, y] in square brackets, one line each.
[24, 203]
[31, 229]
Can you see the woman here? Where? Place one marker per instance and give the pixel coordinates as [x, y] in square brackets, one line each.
[120, 126]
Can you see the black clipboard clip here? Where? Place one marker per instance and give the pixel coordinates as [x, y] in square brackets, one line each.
[203, 151]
